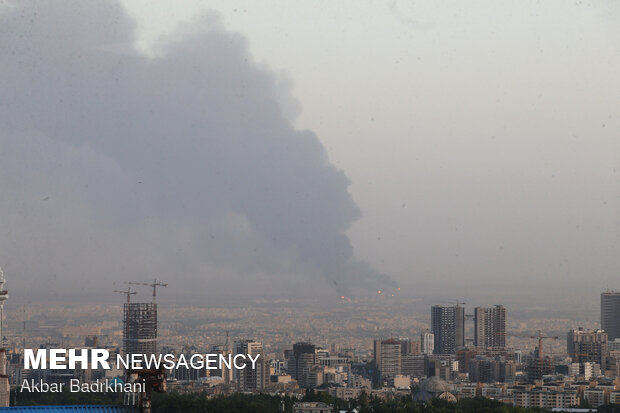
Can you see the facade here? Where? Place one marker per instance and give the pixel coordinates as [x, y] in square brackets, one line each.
[490, 327]
[489, 370]
[301, 362]
[409, 347]
[610, 313]
[390, 360]
[376, 351]
[413, 365]
[357, 382]
[250, 379]
[347, 393]
[596, 397]
[441, 365]
[545, 399]
[225, 373]
[536, 367]
[483, 371]
[5, 391]
[587, 346]
[612, 366]
[427, 342]
[140, 328]
[448, 326]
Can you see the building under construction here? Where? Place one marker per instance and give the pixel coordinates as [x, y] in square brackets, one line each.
[140, 337]
[140, 328]
[4, 379]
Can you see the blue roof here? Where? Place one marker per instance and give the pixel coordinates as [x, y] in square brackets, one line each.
[70, 409]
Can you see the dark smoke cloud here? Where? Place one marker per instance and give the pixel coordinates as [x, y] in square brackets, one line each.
[184, 166]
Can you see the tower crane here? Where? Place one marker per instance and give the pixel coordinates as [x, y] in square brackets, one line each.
[540, 338]
[128, 293]
[154, 284]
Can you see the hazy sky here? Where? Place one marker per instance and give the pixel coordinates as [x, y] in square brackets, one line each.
[481, 142]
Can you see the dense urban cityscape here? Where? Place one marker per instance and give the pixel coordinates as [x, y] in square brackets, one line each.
[309, 206]
[462, 353]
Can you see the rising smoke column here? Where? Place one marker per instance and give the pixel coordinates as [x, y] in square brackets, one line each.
[115, 165]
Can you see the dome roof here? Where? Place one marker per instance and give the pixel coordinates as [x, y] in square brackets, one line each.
[447, 396]
[435, 386]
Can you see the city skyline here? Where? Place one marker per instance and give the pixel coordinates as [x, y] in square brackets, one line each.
[517, 376]
[586, 371]
[310, 207]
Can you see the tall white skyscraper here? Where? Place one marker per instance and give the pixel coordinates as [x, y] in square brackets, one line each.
[427, 342]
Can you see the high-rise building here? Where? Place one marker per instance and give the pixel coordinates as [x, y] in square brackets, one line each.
[140, 328]
[301, 362]
[249, 379]
[587, 346]
[490, 327]
[376, 351]
[610, 313]
[427, 342]
[5, 388]
[390, 360]
[448, 326]
[441, 365]
[5, 391]
[413, 365]
[224, 372]
[409, 346]
[539, 366]
[483, 369]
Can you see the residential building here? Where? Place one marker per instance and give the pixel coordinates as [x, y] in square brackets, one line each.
[490, 327]
[249, 379]
[545, 399]
[413, 365]
[390, 364]
[303, 358]
[427, 342]
[448, 326]
[587, 346]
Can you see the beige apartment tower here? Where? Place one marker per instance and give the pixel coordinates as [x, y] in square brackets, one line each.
[490, 327]
[587, 346]
[390, 364]
[249, 379]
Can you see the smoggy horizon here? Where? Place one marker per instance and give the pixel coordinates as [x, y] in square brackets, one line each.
[317, 151]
